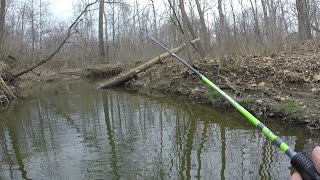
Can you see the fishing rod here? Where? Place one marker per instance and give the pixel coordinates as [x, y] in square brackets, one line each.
[302, 163]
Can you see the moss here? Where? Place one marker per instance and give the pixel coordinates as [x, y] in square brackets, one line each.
[212, 95]
[53, 79]
[246, 102]
[288, 107]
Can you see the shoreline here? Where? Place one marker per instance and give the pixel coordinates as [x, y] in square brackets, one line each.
[290, 100]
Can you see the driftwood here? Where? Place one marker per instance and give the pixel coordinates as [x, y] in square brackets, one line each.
[125, 77]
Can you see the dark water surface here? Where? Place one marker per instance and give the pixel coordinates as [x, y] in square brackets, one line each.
[79, 132]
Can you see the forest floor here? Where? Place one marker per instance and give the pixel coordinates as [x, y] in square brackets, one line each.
[284, 85]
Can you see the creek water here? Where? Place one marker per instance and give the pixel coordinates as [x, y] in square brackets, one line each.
[70, 130]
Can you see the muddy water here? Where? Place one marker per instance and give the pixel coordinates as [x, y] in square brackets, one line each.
[70, 130]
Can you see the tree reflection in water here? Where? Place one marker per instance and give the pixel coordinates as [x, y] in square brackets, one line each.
[113, 134]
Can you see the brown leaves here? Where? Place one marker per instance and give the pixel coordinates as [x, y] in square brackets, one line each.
[316, 77]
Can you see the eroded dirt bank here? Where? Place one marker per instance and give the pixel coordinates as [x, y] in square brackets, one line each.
[284, 85]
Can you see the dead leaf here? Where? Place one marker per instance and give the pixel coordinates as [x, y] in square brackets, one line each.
[262, 84]
[316, 77]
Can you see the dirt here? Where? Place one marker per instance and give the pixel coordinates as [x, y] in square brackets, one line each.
[97, 72]
[285, 85]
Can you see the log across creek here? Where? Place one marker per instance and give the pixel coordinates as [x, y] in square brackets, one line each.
[126, 76]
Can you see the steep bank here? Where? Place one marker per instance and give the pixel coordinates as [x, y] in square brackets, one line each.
[284, 85]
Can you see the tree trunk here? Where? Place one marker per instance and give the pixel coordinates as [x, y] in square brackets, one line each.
[40, 26]
[140, 44]
[266, 19]
[2, 23]
[155, 28]
[175, 22]
[107, 37]
[234, 27]
[256, 21]
[101, 42]
[22, 37]
[303, 20]
[204, 32]
[190, 29]
[113, 27]
[222, 37]
[125, 77]
[313, 14]
[273, 25]
[33, 32]
[186, 33]
[285, 24]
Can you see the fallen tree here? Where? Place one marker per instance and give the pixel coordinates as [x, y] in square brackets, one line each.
[7, 91]
[125, 77]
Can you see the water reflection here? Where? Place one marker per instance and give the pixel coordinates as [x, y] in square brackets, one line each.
[82, 133]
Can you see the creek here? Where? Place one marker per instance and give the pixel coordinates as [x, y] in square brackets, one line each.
[71, 130]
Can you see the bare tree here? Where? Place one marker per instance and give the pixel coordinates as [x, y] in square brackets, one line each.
[303, 20]
[235, 33]
[204, 32]
[155, 28]
[221, 34]
[2, 22]
[266, 19]
[273, 24]
[107, 37]
[283, 21]
[313, 14]
[175, 22]
[256, 21]
[22, 37]
[187, 36]
[32, 17]
[101, 41]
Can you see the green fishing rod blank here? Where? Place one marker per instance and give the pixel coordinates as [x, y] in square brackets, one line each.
[302, 163]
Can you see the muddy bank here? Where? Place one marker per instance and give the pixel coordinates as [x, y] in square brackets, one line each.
[93, 73]
[284, 85]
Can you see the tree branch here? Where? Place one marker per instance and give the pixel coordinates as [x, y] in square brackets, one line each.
[176, 17]
[69, 33]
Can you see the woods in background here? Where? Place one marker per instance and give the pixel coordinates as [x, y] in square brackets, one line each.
[109, 31]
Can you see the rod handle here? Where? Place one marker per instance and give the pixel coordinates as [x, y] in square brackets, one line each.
[304, 165]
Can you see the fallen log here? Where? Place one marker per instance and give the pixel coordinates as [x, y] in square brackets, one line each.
[125, 77]
[7, 91]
